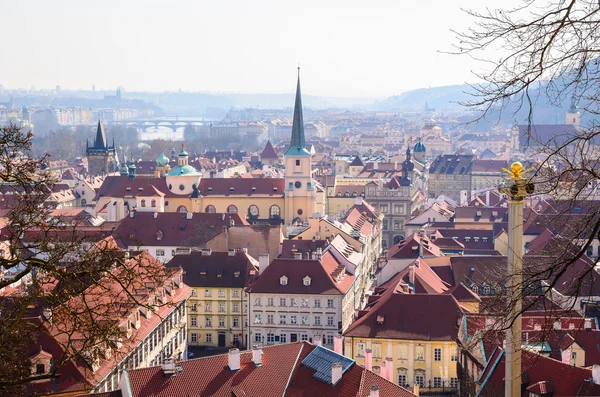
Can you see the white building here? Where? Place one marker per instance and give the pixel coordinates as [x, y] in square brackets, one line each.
[300, 299]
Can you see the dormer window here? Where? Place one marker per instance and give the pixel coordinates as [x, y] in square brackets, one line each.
[306, 281]
[283, 280]
[159, 235]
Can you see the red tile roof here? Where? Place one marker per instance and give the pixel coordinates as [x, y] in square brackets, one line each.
[219, 269]
[409, 248]
[269, 152]
[281, 374]
[173, 228]
[273, 187]
[397, 315]
[540, 373]
[328, 277]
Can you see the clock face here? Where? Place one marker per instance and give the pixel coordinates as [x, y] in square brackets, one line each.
[298, 184]
[253, 210]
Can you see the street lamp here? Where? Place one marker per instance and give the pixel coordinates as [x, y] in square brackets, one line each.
[516, 189]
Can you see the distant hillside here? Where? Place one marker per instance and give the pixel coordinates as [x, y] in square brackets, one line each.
[447, 98]
[439, 98]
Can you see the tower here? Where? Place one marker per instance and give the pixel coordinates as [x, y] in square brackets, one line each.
[101, 156]
[300, 193]
[573, 116]
[420, 150]
[162, 166]
[131, 168]
[407, 169]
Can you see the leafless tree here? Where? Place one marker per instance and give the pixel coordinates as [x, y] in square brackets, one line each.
[57, 283]
[546, 51]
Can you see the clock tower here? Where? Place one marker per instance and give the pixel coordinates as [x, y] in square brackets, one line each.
[300, 191]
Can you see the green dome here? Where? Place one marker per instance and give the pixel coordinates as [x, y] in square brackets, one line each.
[162, 160]
[183, 170]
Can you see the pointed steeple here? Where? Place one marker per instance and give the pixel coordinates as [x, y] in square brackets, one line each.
[298, 143]
[100, 142]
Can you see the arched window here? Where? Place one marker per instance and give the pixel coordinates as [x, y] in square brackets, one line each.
[274, 212]
[232, 209]
[182, 208]
[143, 204]
[475, 289]
[253, 212]
[83, 202]
[210, 209]
[153, 203]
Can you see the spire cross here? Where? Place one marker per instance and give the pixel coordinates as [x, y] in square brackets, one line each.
[298, 69]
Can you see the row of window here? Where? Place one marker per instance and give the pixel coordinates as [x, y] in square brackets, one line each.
[283, 319]
[220, 293]
[235, 307]
[419, 379]
[208, 322]
[208, 338]
[403, 352]
[272, 338]
[304, 302]
[253, 211]
[152, 203]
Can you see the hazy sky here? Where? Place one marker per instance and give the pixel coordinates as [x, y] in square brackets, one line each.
[344, 48]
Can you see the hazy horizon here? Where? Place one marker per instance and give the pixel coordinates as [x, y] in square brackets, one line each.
[345, 49]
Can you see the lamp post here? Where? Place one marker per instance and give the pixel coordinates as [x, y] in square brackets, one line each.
[516, 189]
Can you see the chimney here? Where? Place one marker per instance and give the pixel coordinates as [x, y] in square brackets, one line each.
[411, 274]
[226, 231]
[369, 359]
[587, 324]
[337, 343]
[416, 389]
[389, 368]
[374, 392]
[168, 367]
[421, 237]
[336, 373]
[231, 252]
[263, 262]
[131, 214]
[317, 340]
[257, 355]
[596, 373]
[189, 215]
[233, 359]
[155, 215]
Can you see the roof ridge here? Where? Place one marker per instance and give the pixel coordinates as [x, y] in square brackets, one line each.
[293, 369]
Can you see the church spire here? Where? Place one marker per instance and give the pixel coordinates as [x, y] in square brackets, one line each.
[100, 142]
[298, 143]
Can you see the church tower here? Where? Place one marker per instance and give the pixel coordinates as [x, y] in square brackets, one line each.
[101, 157]
[300, 192]
[573, 115]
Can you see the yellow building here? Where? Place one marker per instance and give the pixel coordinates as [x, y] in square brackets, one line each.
[217, 309]
[412, 335]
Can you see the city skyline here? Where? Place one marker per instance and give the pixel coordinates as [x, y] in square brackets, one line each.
[344, 49]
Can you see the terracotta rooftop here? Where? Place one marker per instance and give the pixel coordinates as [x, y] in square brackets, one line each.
[328, 277]
[216, 269]
[173, 228]
[285, 370]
